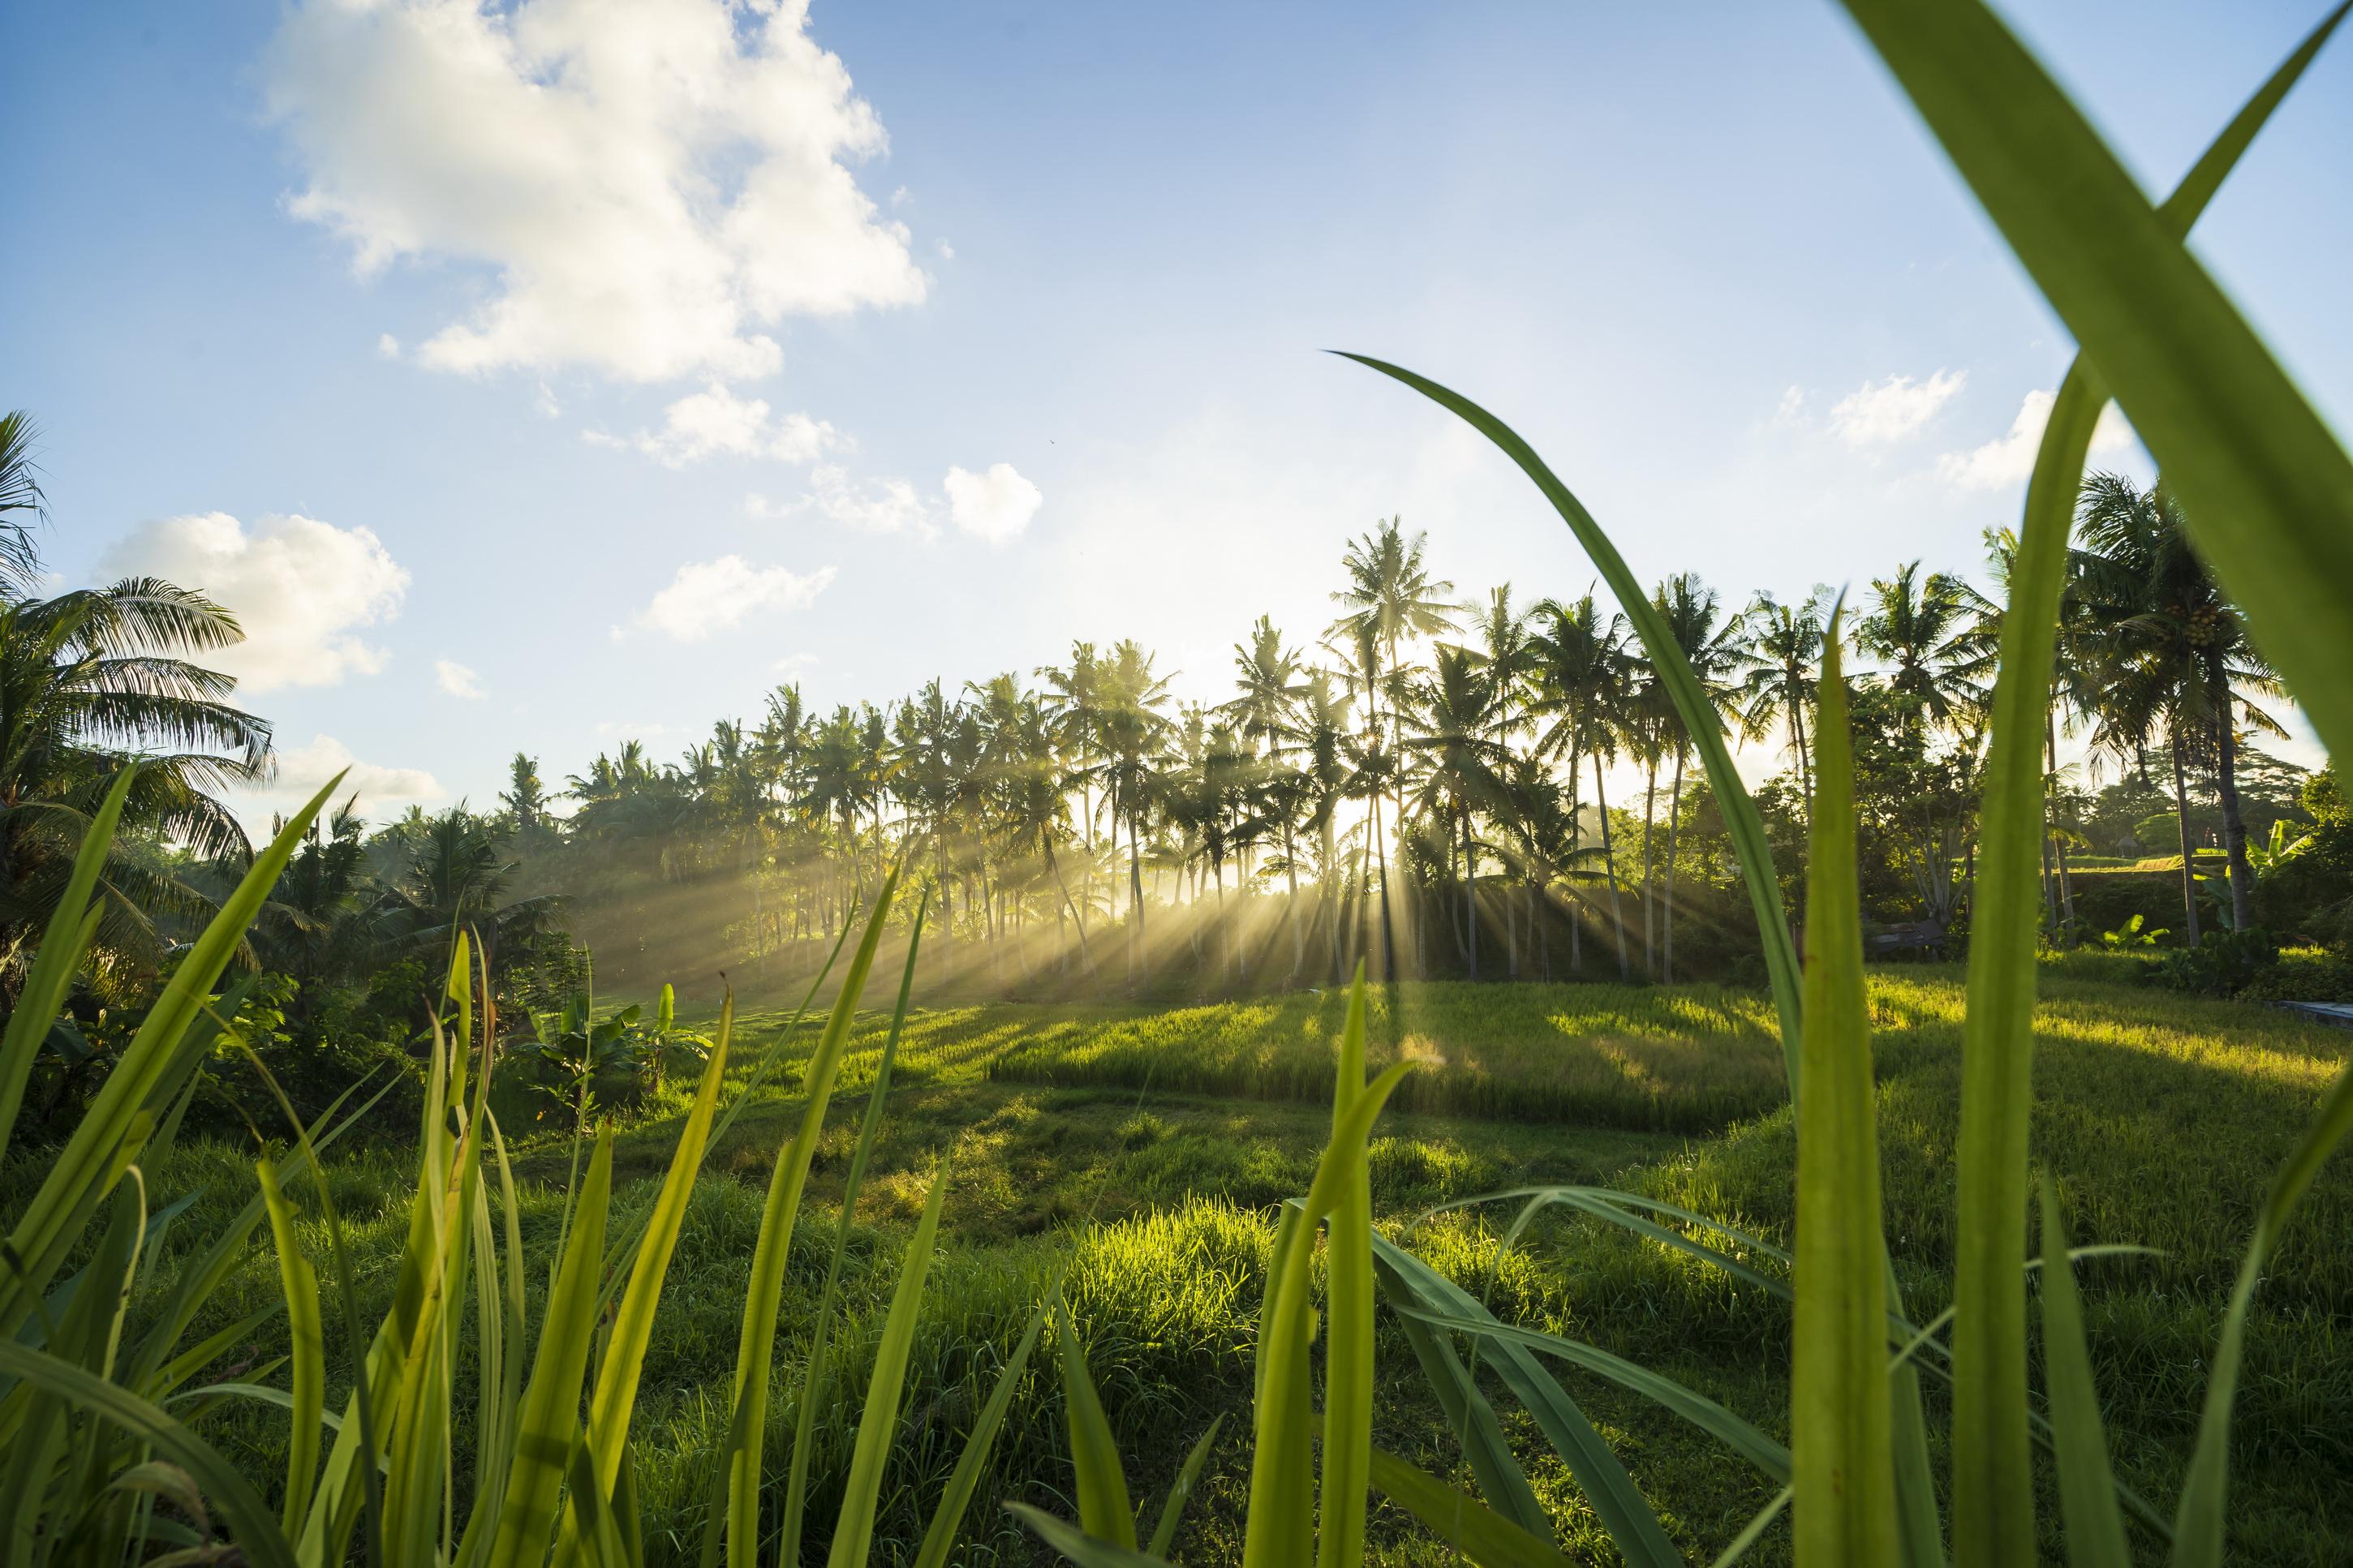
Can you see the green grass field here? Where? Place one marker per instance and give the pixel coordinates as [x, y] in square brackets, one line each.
[1149, 1148]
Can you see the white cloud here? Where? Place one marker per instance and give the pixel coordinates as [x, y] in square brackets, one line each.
[1880, 412]
[388, 346]
[547, 405]
[2010, 460]
[708, 596]
[1792, 409]
[869, 506]
[997, 505]
[303, 771]
[297, 585]
[948, 251]
[652, 185]
[456, 681]
[715, 421]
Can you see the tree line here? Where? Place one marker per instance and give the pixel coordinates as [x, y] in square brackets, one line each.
[1424, 782]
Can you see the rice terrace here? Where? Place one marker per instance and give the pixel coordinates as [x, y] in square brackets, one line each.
[1688, 906]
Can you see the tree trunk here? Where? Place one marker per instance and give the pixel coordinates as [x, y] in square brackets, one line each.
[1674, 821]
[1471, 893]
[1388, 938]
[1650, 807]
[2188, 864]
[1135, 898]
[1610, 862]
[2226, 786]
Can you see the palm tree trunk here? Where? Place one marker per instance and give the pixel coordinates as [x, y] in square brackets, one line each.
[1291, 874]
[1609, 861]
[2189, 871]
[1471, 893]
[2226, 786]
[1135, 957]
[1674, 821]
[1388, 937]
[1649, 807]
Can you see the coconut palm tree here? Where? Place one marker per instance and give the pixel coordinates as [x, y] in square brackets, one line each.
[1779, 656]
[1922, 628]
[1583, 682]
[1452, 734]
[1710, 645]
[22, 505]
[1132, 726]
[2175, 653]
[92, 680]
[1315, 743]
[1391, 599]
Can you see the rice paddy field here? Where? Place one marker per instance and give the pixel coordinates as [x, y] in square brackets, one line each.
[1147, 1151]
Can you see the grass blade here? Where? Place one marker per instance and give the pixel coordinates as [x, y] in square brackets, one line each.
[1280, 1526]
[1076, 1544]
[250, 1522]
[1101, 1487]
[813, 1381]
[304, 1323]
[1348, 1329]
[1616, 1500]
[2198, 1523]
[948, 1517]
[58, 959]
[633, 1327]
[1470, 1416]
[853, 1531]
[755, 1347]
[2087, 1488]
[1840, 1415]
[549, 1416]
[1164, 1529]
[109, 1136]
[1991, 1474]
[1461, 1521]
[2267, 488]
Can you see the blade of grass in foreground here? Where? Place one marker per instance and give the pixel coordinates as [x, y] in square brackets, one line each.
[1462, 1522]
[948, 1518]
[1840, 1415]
[1099, 1483]
[1348, 1329]
[755, 1348]
[2267, 488]
[304, 1324]
[1616, 1502]
[1164, 1529]
[1743, 824]
[2198, 1526]
[814, 1378]
[552, 1401]
[853, 1531]
[1991, 1473]
[2087, 1488]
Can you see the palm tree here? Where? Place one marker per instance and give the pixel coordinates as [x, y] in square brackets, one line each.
[1130, 730]
[1391, 599]
[92, 680]
[1507, 656]
[1924, 630]
[1711, 648]
[22, 504]
[1267, 676]
[1455, 719]
[1780, 656]
[1584, 678]
[2175, 653]
[1315, 741]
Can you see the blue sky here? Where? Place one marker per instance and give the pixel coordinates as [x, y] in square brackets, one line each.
[430, 336]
